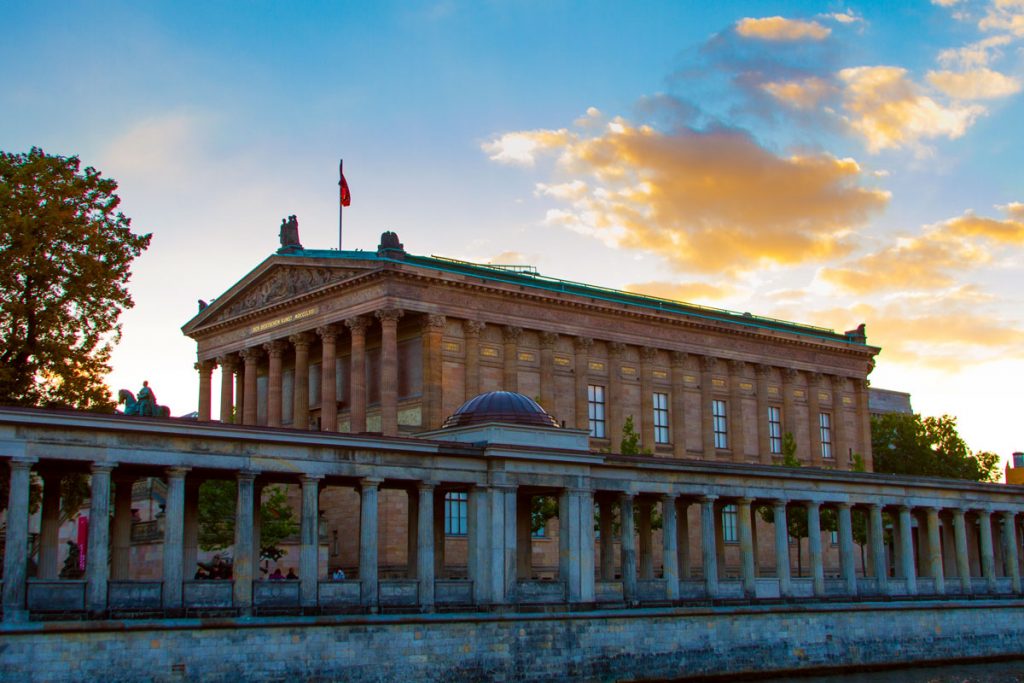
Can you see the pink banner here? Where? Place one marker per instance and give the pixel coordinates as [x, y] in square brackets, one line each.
[83, 540]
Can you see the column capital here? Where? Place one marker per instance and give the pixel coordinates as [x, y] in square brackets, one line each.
[434, 321]
[548, 340]
[511, 333]
[875, 506]
[302, 339]
[789, 374]
[812, 503]
[205, 366]
[762, 370]
[616, 349]
[251, 355]
[389, 315]
[227, 362]
[707, 499]
[626, 495]
[744, 501]
[472, 328]
[843, 505]
[906, 508]
[246, 475]
[22, 463]
[371, 482]
[357, 324]
[311, 478]
[327, 332]
[779, 502]
[708, 363]
[425, 486]
[670, 498]
[275, 349]
[814, 379]
[582, 344]
[648, 354]
[177, 472]
[736, 366]
[101, 467]
[678, 359]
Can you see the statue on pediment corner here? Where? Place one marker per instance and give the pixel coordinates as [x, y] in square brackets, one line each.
[289, 234]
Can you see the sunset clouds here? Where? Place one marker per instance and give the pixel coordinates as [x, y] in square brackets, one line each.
[780, 28]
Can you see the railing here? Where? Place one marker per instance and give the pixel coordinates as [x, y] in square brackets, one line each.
[135, 595]
[208, 594]
[275, 594]
[63, 596]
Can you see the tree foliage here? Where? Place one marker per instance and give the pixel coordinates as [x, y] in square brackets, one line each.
[927, 447]
[630, 444]
[65, 261]
[217, 501]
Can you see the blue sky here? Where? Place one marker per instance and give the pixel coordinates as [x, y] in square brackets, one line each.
[832, 163]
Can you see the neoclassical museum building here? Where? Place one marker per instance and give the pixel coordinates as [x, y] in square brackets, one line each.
[450, 436]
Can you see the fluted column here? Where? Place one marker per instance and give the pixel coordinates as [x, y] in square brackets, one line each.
[275, 352]
[205, 368]
[764, 449]
[627, 544]
[121, 528]
[16, 544]
[709, 550]
[683, 537]
[737, 432]
[670, 546]
[239, 411]
[782, 548]
[97, 570]
[309, 539]
[548, 340]
[368, 540]
[471, 330]
[907, 550]
[963, 559]
[707, 366]
[746, 538]
[878, 548]
[860, 388]
[615, 408]
[228, 365]
[678, 404]
[510, 356]
[606, 524]
[49, 524]
[433, 330]
[300, 387]
[646, 539]
[1010, 552]
[250, 400]
[174, 538]
[328, 378]
[935, 569]
[840, 442]
[814, 547]
[389, 369]
[357, 373]
[243, 567]
[425, 545]
[582, 347]
[813, 417]
[988, 565]
[648, 356]
[847, 565]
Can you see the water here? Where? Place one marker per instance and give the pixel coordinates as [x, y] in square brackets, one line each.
[993, 672]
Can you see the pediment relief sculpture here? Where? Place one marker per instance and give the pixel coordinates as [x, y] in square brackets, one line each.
[282, 284]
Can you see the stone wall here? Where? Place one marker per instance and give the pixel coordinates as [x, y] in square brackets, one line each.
[622, 645]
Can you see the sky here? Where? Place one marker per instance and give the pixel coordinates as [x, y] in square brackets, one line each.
[830, 163]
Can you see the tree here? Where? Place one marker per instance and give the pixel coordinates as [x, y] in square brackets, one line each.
[630, 444]
[217, 501]
[927, 447]
[65, 261]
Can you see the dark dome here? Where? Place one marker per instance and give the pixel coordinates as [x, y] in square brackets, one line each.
[501, 406]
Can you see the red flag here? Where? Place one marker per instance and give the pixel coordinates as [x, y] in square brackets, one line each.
[346, 196]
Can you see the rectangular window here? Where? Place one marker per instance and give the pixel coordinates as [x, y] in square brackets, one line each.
[774, 430]
[595, 406]
[660, 418]
[729, 524]
[825, 421]
[456, 505]
[720, 424]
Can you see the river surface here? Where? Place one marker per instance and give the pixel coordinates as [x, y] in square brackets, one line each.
[995, 672]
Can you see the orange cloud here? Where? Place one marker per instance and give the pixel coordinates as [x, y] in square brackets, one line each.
[681, 291]
[1004, 15]
[974, 55]
[804, 93]
[707, 201]
[781, 29]
[978, 84]
[890, 111]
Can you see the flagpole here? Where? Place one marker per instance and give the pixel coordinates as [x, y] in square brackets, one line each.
[341, 205]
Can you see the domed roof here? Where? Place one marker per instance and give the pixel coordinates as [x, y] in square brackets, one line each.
[500, 406]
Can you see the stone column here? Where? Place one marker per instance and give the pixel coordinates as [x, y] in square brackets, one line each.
[764, 448]
[368, 540]
[257, 526]
[863, 431]
[16, 545]
[583, 527]
[963, 559]
[814, 417]
[1010, 550]
[510, 357]
[847, 564]
[878, 548]
[275, 351]
[627, 543]
[251, 398]
[49, 525]
[678, 404]
[309, 539]
[582, 370]
[707, 366]
[746, 538]
[205, 368]
[614, 406]
[709, 550]
[502, 539]
[606, 522]
[357, 373]
[425, 545]
[300, 387]
[412, 524]
[97, 556]
[670, 546]
[389, 370]
[814, 547]
[737, 436]
[174, 538]
[840, 443]
[228, 365]
[935, 569]
[782, 548]
[121, 529]
[548, 340]
[648, 355]
[438, 526]
[907, 550]
[190, 527]
[239, 411]
[646, 540]
[242, 569]
[433, 402]
[477, 565]
[471, 330]
[564, 538]
[988, 565]
[328, 378]
[683, 537]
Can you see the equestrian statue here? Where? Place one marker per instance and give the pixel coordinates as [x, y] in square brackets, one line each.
[144, 405]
